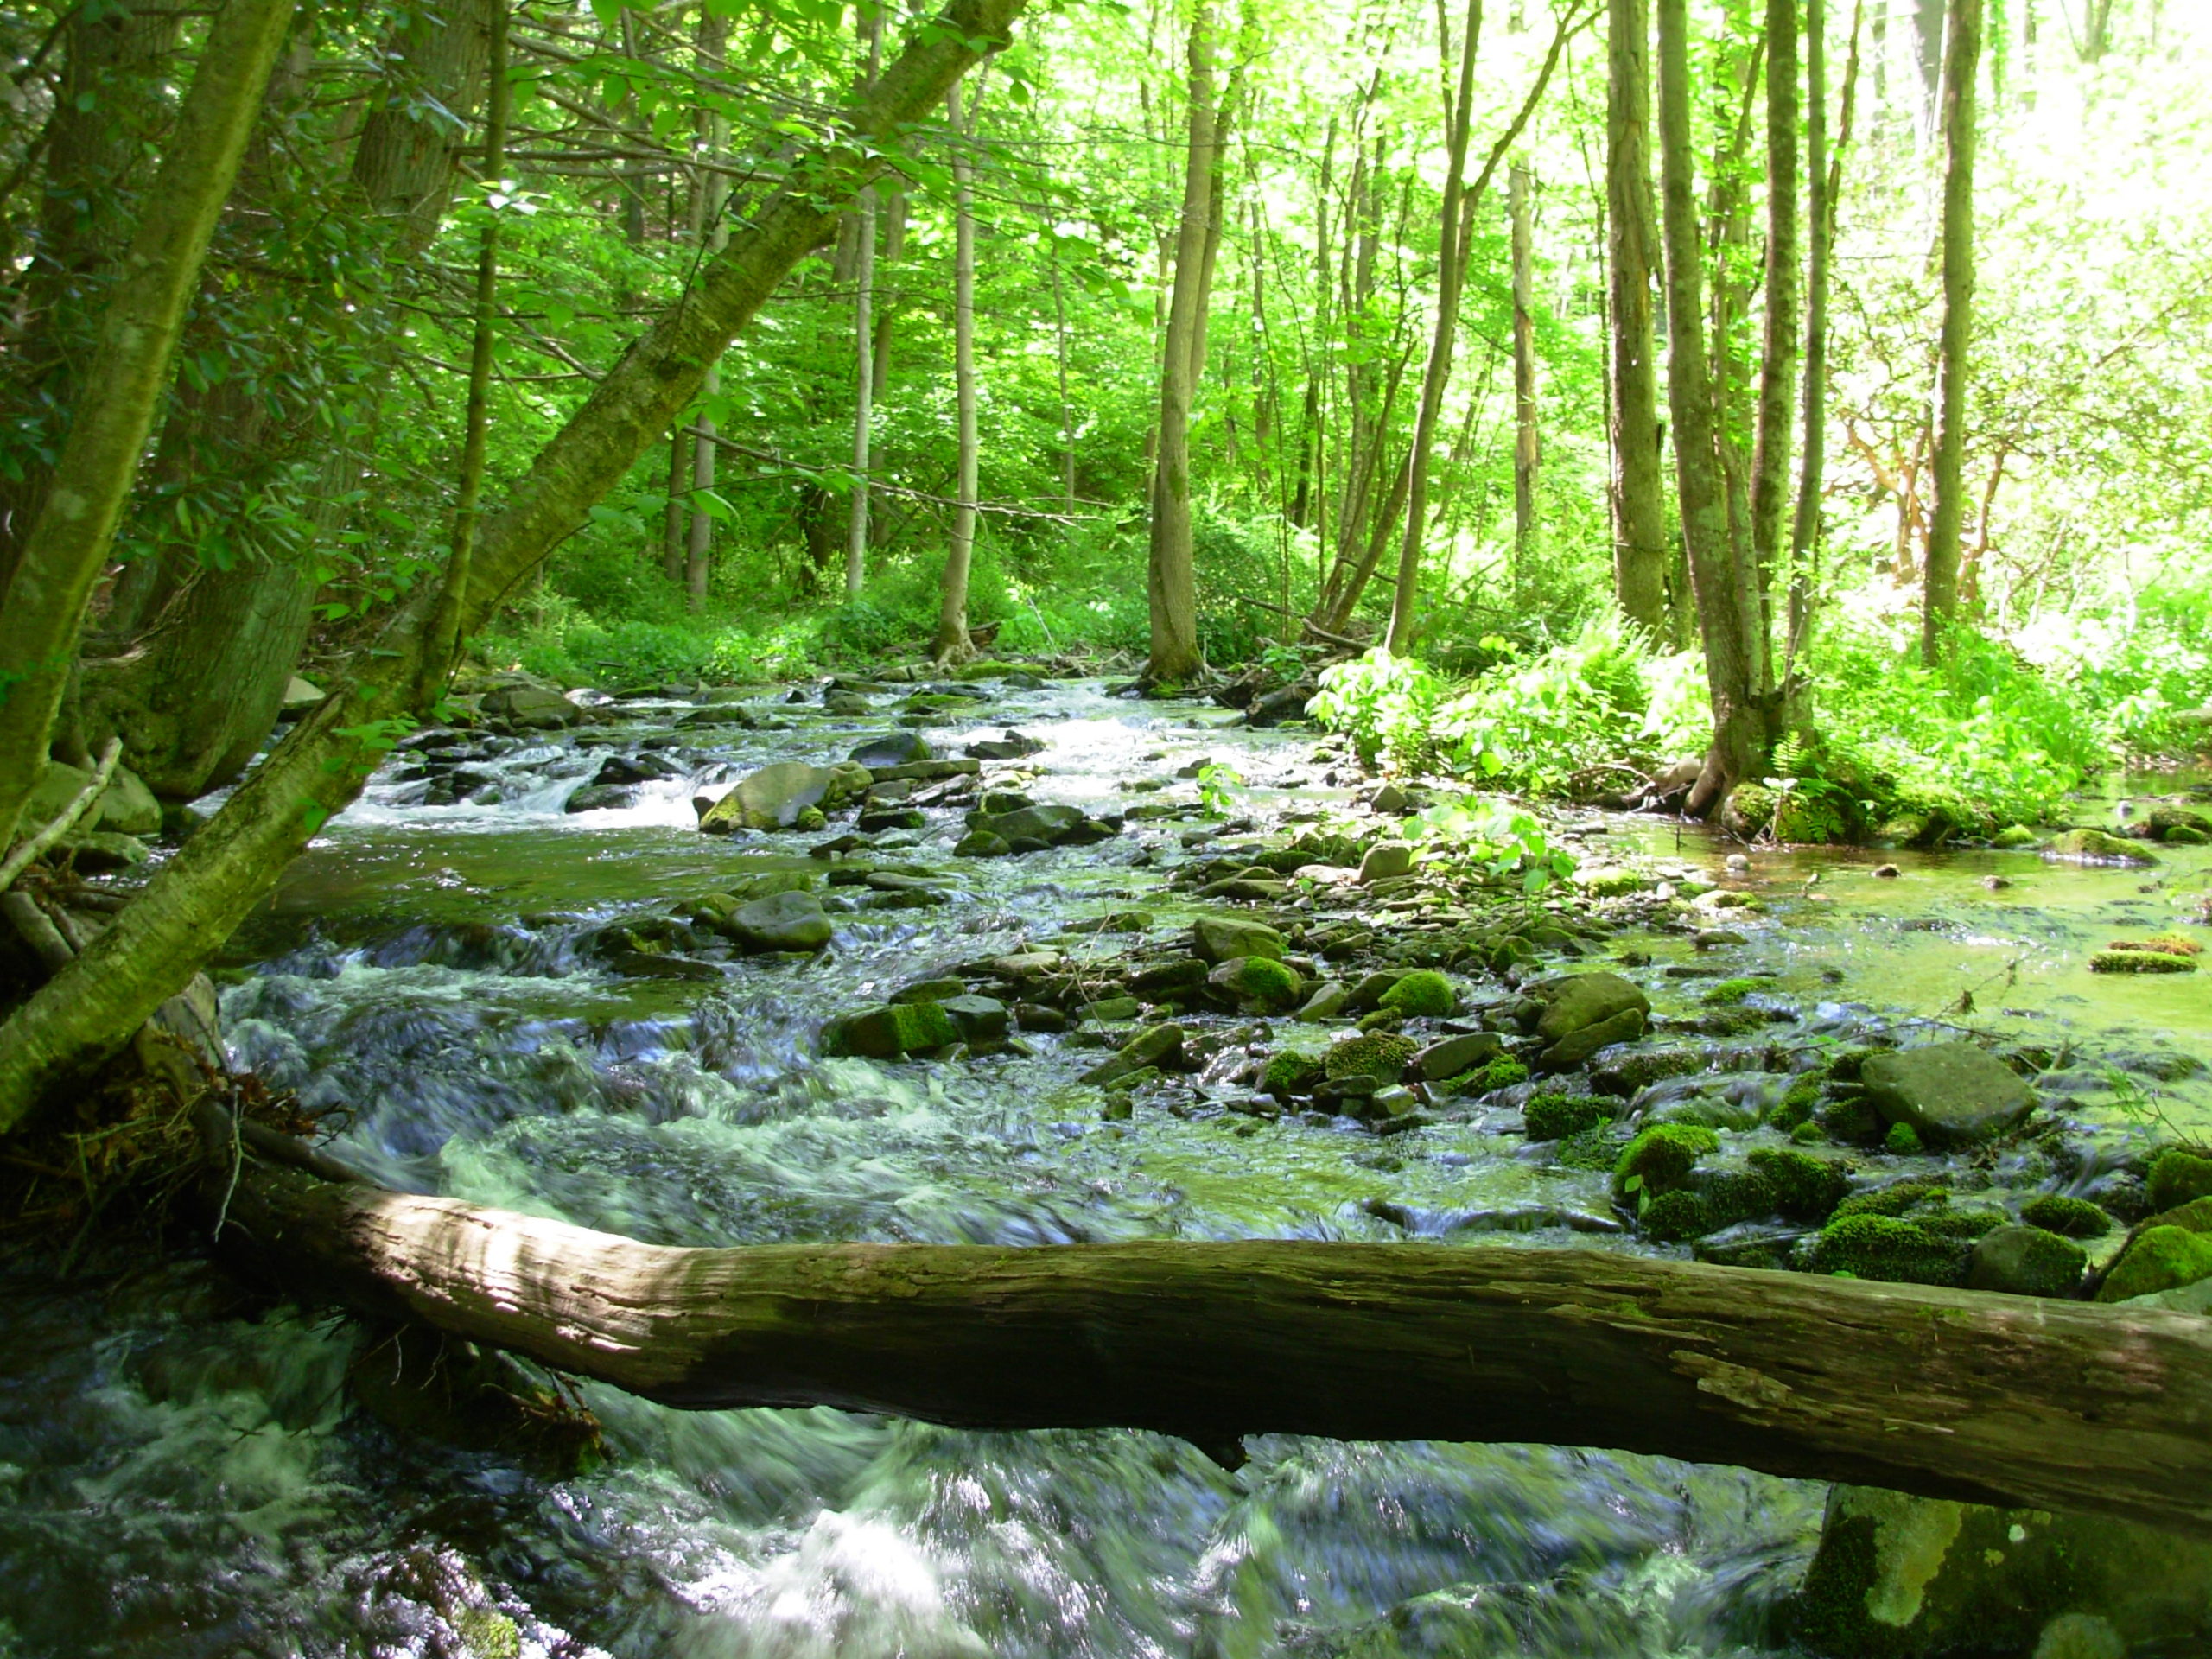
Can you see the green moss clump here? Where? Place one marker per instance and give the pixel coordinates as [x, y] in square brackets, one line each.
[1903, 1140]
[1966, 1225]
[1797, 1106]
[2176, 1176]
[2068, 1217]
[1264, 981]
[1290, 1073]
[1500, 1073]
[1809, 1134]
[1727, 993]
[1806, 1188]
[1660, 1158]
[1592, 1149]
[1719, 1200]
[1422, 994]
[1554, 1117]
[2139, 961]
[1892, 1200]
[2161, 1258]
[1380, 1055]
[1884, 1248]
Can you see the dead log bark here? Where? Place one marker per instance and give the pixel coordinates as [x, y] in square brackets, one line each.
[1961, 1394]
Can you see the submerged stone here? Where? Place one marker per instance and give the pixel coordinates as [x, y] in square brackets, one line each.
[1952, 1094]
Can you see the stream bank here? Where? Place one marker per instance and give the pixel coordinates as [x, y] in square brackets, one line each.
[552, 1010]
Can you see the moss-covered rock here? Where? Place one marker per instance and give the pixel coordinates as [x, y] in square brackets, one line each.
[1503, 1072]
[1903, 1140]
[1257, 984]
[1799, 1103]
[1748, 811]
[1156, 1045]
[2068, 1217]
[1291, 1073]
[1887, 1249]
[1714, 1199]
[2125, 961]
[1806, 1187]
[1727, 993]
[2025, 1261]
[1554, 1117]
[1380, 1055]
[1893, 1199]
[1953, 1094]
[1422, 994]
[2013, 836]
[890, 1031]
[2176, 1174]
[2160, 1258]
[1660, 1160]
[2097, 847]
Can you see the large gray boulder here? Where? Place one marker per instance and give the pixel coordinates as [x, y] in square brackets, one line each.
[527, 703]
[1953, 1094]
[773, 797]
[1576, 1001]
[781, 921]
[1223, 938]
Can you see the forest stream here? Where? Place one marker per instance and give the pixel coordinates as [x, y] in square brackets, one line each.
[184, 1474]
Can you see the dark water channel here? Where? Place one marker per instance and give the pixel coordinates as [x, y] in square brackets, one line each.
[180, 1475]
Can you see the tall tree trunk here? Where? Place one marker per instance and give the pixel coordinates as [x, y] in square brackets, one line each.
[698, 553]
[1451, 270]
[1739, 730]
[62, 555]
[1961, 63]
[1060, 367]
[863, 336]
[1805, 526]
[1770, 472]
[1171, 581]
[1640, 552]
[951, 642]
[181, 917]
[887, 292]
[1526, 451]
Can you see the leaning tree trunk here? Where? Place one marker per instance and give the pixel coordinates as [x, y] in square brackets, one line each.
[1739, 723]
[67, 545]
[1961, 63]
[190, 907]
[1639, 506]
[1171, 581]
[1965, 1394]
[951, 642]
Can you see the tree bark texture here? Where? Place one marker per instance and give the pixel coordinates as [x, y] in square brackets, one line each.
[1805, 522]
[1961, 64]
[1171, 579]
[62, 555]
[1771, 472]
[1738, 721]
[714, 194]
[951, 642]
[1526, 452]
[1963, 1395]
[871, 30]
[1639, 503]
[195, 900]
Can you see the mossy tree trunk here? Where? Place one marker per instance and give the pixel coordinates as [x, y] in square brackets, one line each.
[1940, 572]
[1639, 505]
[88, 1012]
[951, 643]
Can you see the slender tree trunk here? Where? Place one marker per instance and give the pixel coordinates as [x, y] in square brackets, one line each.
[1961, 63]
[1451, 269]
[698, 560]
[951, 643]
[67, 545]
[1172, 583]
[1067, 404]
[1805, 528]
[1739, 733]
[1770, 471]
[1526, 451]
[1640, 551]
[678, 513]
[863, 336]
[194, 900]
[886, 305]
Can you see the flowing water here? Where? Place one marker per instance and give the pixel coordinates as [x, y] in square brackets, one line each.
[183, 1472]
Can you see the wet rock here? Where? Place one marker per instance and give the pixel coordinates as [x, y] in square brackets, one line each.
[1887, 1248]
[1576, 1002]
[1392, 798]
[596, 797]
[977, 1018]
[2124, 959]
[1035, 1016]
[300, 695]
[2070, 1218]
[641, 964]
[781, 921]
[1179, 977]
[2173, 1249]
[2025, 1261]
[1256, 984]
[97, 851]
[776, 796]
[1159, 1046]
[618, 769]
[2176, 1175]
[1380, 1055]
[1385, 860]
[1449, 1058]
[878, 754]
[1952, 1094]
[1222, 939]
[1112, 1010]
[1327, 1002]
[845, 704]
[540, 707]
[981, 843]
[930, 990]
[2095, 846]
[1919, 1578]
[1010, 745]
[1422, 994]
[889, 1032]
[2013, 836]
[1050, 823]
[875, 821]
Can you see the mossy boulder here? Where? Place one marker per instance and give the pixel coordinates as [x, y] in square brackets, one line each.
[891, 1031]
[1554, 1117]
[1660, 1160]
[1727, 993]
[2068, 1217]
[1257, 984]
[2161, 1257]
[2025, 1261]
[1806, 1187]
[2176, 1175]
[2096, 846]
[1217, 939]
[781, 921]
[1422, 994]
[2014, 836]
[1748, 811]
[2124, 961]
[1159, 1046]
[1712, 1200]
[1952, 1094]
[1503, 1072]
[1889, 1249]
[1291, 1073]
[1380, 1055]
[779, 796]
[1577, 1001]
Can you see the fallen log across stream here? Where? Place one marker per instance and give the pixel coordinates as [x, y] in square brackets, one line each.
[1949, 1394]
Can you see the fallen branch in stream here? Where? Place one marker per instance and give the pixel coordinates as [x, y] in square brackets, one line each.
[27, 851]
[1962, 1394]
